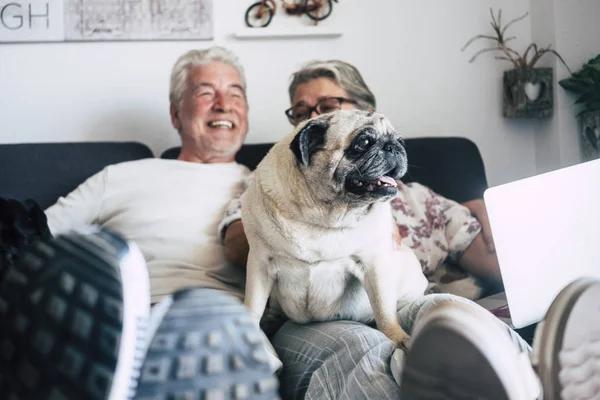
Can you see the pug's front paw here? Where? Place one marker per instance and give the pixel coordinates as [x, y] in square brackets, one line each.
[403, 344]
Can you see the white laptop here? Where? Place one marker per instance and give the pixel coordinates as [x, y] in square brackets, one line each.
[546, 231]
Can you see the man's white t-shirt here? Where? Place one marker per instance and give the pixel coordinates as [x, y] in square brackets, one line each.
[171, 209]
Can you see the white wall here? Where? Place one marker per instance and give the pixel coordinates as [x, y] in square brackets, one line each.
[573, 30]
[408, 52]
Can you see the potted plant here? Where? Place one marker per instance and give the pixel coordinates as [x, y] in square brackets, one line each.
[528, 91]
[585, 83]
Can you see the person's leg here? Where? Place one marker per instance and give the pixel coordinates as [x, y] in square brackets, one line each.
[348, 360]
[409, 312]
[335, 360]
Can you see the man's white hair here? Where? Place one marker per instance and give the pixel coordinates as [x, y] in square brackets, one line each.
[193, 58]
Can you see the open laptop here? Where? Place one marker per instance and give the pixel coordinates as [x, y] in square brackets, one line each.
[546, 231]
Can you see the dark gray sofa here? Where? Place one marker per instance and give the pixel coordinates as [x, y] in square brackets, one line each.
[451, 166]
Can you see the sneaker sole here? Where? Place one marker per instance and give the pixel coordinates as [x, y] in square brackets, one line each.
[205, 345]
[459, 351]
[76, 307]
[566, 347]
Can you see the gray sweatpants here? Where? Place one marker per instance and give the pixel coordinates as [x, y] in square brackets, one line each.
[349, 360]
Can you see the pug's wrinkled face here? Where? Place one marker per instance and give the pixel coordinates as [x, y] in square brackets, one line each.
[350, 155]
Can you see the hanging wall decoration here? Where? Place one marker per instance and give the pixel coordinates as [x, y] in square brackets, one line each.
[260, 14]
[528, 90]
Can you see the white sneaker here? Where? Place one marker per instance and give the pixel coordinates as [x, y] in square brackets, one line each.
[460, 351]
[73, 314]
[566, 346]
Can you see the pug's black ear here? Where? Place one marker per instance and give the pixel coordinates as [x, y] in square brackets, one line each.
[309, 140]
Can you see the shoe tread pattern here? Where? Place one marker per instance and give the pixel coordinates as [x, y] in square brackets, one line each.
[61, 308]
[206, 347]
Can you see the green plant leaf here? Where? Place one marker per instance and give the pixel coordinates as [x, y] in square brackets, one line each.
[589, 97]
[577, 85]
[594, 66]
[595, 60]
[593, 106]
[589, 108]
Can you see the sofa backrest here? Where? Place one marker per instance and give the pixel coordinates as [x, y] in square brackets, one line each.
[45, 171]
[450, 166]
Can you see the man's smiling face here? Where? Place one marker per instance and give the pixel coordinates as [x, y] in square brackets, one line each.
[212, 115]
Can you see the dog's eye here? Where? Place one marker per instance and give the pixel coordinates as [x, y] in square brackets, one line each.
[363, 144]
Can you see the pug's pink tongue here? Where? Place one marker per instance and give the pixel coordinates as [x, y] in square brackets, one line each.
[389, 180]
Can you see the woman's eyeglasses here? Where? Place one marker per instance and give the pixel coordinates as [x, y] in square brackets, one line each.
[302, 112]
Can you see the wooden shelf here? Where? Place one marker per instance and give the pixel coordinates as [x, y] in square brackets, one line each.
[299, 32]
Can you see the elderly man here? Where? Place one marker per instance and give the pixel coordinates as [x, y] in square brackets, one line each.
[79, 303]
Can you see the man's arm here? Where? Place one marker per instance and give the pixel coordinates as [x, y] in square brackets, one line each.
[231, 229]
[82, 207]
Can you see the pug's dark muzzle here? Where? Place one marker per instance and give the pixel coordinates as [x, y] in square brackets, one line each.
[377, 170]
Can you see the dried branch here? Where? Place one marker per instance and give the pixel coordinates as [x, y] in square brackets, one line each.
[494, 23]
[513, 21]
[531, 46]
[500, 17]
[482, 51]
[540, 53]
[478, 37]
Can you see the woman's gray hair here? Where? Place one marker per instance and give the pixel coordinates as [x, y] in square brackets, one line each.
[193, 58]
[343, 74]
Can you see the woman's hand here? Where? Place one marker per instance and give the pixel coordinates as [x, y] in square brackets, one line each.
[478, 210]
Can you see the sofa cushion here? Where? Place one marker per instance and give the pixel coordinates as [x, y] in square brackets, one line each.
[45, 171]
[451, 166]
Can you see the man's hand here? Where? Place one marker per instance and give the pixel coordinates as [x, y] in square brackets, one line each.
[236, 244]
[478, 210]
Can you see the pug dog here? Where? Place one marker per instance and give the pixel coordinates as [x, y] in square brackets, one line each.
[318, 220]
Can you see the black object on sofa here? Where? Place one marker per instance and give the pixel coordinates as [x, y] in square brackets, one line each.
[450, 166]
[45, 171]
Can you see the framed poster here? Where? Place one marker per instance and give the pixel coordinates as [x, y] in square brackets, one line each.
[105, 20]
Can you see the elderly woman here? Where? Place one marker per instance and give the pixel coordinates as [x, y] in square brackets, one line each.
[349, 360]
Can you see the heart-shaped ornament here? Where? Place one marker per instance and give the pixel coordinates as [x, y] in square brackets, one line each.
[532, 90]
